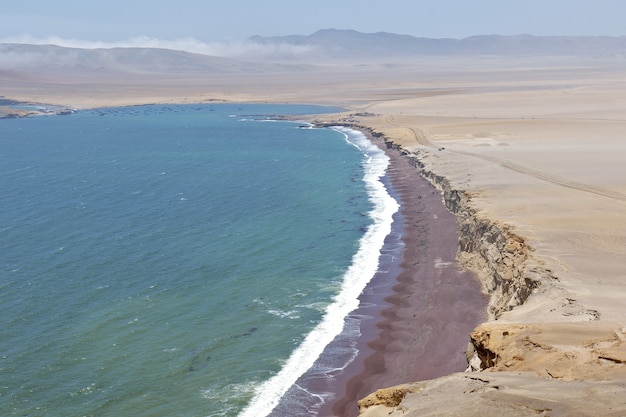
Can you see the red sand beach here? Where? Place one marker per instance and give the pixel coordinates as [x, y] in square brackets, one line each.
[429, 306]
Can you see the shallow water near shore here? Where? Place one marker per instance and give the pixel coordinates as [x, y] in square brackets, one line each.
[170, 259]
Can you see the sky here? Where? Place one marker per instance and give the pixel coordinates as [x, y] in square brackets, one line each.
[157, 22]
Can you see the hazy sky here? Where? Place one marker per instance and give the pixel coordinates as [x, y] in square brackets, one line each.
[228, 20]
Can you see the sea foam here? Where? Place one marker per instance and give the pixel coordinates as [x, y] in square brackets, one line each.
[362, 269]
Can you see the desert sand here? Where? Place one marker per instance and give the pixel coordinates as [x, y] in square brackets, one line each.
[530, 155]
[547, 164]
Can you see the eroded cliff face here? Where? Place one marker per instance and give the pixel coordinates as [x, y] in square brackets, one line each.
[545, 364]
[503, 261]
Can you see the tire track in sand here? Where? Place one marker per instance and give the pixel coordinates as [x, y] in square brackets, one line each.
[542, 175]
[419, 135]
[422, 139]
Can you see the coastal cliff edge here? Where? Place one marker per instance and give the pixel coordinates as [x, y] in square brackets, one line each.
[539, 353]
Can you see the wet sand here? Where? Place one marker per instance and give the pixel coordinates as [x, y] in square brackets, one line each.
[421, 310]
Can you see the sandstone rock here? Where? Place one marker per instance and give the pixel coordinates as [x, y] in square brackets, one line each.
[505, 394]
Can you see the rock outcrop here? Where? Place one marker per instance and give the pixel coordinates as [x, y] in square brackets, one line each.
[503, 394]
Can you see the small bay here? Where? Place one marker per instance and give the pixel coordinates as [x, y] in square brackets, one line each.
[168, 259]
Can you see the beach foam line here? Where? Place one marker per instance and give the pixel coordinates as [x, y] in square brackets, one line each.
[361, 271]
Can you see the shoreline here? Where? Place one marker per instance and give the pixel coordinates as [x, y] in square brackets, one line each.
[299, 387]
[423, 309]
[416, 313]
[389, 352]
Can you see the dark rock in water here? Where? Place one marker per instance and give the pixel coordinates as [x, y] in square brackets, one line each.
[197, 363]
[248, 333]
[200, 358]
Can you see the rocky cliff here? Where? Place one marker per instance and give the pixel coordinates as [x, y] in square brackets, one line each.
[561, 368]
[504, 262]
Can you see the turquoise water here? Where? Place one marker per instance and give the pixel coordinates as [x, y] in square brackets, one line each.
[176, 260]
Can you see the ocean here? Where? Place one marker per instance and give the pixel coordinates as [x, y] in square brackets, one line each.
[180, 260]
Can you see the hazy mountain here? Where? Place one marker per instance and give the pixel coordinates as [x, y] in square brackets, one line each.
[287, 54]
[52, 58]
[350, 44]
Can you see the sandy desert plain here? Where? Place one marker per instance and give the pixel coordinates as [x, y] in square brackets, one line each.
[530, 154]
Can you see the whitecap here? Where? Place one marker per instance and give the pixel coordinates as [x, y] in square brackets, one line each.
[224, 395]
[85, 391]
[285, 314]
[317, 306]
[171, 350]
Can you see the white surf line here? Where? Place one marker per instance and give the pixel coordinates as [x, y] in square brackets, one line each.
[361, 271]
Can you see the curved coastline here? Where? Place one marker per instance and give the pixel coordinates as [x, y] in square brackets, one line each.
[364, 265]
[415, 315]
[427, 306]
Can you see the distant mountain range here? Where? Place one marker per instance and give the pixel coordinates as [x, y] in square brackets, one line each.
[291, 53]
[110, 61]
[350, 44]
